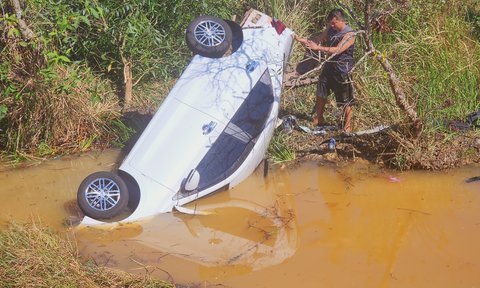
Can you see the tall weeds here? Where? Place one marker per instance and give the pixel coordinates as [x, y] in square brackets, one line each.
[434, 51]
[439, 61]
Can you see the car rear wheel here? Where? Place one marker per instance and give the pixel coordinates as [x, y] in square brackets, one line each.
[209, 36]
[102, 195]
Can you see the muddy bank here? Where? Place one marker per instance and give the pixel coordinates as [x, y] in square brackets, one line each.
[386, 148]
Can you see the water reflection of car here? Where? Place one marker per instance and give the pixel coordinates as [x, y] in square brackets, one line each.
[211, 131]
[243, 229]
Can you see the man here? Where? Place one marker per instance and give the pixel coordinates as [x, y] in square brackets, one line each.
[339, 39]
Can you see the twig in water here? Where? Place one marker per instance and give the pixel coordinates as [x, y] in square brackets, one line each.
[147, 272]
[416, 211]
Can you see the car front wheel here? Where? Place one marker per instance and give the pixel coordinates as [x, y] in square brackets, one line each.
[102, 195]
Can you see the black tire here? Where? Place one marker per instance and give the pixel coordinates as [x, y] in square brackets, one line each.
[237, 38]
[209, 36]
[102, 195]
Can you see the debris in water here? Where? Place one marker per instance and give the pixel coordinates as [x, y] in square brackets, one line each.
[472, 179]
[393, 179]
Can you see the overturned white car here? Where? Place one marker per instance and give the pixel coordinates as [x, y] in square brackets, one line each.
[211, 131]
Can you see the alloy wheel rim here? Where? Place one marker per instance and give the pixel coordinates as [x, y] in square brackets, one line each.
[209, 33]
[102, 194]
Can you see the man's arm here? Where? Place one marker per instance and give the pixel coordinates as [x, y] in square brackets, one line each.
[301, 39]
[343, 45]
[317, 39]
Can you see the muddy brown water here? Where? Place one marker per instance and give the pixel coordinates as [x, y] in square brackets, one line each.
[315, 225]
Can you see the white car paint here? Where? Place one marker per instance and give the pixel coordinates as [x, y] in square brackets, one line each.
[195, 113]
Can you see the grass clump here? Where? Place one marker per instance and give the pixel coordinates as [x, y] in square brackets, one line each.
[280, 150]
[32, 256]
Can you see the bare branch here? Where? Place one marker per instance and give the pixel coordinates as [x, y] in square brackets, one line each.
[141, 76]
[367, 53]
[400, 97]
[27, 33]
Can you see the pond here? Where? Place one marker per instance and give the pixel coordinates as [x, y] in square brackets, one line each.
[312, 225]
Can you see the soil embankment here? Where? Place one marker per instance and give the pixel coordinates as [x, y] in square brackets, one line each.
[383, 148]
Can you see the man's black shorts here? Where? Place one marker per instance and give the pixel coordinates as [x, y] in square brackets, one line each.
[340, 84]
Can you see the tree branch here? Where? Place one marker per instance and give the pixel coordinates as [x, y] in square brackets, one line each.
[27, 33]
[322, 63]
[400, 97]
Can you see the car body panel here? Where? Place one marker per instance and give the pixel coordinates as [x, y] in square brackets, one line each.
[198, 112]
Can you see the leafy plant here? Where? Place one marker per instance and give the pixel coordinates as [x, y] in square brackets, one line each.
[45, 150]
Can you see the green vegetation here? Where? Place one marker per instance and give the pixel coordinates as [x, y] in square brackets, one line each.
[436, 54]
[31, 256]
[66, 86]
[279, 149]
[438, 62]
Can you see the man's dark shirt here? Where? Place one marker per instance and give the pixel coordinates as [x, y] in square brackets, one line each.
[343, 62]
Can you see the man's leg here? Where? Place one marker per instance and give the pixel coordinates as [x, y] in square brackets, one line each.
[347, 118]
[345, 99]
[319, 109]
[321, 101]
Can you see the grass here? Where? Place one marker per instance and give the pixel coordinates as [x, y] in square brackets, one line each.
[61, 113]
[279, 149]
[33, 256]
[438, 61]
